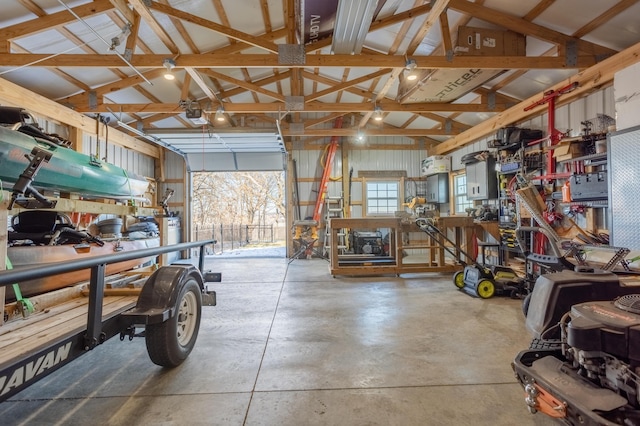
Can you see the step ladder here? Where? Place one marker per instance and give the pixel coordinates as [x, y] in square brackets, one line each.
[335, 209]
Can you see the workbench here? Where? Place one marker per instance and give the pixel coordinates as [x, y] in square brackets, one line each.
[410, 250]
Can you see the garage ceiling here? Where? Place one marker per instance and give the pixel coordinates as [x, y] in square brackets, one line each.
[245, 60]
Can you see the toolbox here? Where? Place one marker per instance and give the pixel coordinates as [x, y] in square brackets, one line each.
[589, 186]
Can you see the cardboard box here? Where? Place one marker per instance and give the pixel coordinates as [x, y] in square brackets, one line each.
[483, 42]
[435, 164]
[568, 151]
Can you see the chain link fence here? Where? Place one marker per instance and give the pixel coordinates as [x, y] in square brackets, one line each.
[231, 237]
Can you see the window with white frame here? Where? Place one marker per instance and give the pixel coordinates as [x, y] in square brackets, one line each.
[382, 198]
[460, 194]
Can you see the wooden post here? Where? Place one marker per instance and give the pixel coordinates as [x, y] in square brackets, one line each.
[3, 253]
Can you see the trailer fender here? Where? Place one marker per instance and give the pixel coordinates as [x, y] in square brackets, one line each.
[157, 301]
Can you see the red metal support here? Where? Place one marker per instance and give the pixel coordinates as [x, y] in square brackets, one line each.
[553, 134]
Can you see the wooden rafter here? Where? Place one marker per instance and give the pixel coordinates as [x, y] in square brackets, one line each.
[213, 26]
[244, 84]
[271, 61]
[54, 20]
[522, 26]
[342, 86]
[316, 106]
[597, 76]
[141, 8]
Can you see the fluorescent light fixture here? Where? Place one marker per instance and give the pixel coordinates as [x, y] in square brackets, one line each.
[378, 114]
[220, 115]
[169, 64]
[353, 20]
[412, 74]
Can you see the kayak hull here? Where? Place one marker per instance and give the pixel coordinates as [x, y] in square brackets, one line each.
[23, 256]
[67, 170]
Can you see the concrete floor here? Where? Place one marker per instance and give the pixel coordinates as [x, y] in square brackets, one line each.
[290, 345]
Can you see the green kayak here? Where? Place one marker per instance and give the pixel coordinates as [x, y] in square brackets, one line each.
[66, 170]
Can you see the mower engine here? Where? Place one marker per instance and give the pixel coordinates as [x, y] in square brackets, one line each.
[603, 344]
[585, 369]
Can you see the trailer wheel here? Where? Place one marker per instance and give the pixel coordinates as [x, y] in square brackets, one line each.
[485, 288]
[458, 279]
[169, 343]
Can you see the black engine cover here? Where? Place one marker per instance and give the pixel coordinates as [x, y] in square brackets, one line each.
[554, 295]
[602, 326]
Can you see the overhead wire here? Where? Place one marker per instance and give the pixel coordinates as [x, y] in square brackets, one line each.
[90, 28]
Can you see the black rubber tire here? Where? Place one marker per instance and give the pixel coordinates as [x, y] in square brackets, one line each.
[525, 304]
[485, 289]
[458, 279]
[545, 344]
[170, 343]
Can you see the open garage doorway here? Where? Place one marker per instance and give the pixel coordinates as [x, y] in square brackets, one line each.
[244, 211]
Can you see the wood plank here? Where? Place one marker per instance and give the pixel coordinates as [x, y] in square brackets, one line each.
[13, 95]
[53, 20]
[67, 205]
[3, 253]
[39, 333]
[256, 60]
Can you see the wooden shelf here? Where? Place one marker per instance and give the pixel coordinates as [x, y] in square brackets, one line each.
[432, 257]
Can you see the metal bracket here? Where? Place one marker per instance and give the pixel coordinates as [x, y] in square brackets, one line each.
[571, 53]
[491, 100]
[23, 186]
[93, 99]
[292, 54]
[294, 103]
[449, 54]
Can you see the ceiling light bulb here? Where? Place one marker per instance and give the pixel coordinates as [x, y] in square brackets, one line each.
[169, 64]
[378, 114]
[411, 68]
[220, 115]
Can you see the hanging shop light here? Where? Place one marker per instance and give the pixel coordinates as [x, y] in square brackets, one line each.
[169, 64]
[377, 114]
[220, 115]
[412, 71]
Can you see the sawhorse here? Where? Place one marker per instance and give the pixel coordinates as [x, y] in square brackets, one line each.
[306, 247]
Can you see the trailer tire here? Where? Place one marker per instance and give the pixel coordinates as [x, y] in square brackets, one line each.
[169, 343]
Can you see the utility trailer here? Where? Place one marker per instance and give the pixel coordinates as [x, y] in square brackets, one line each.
[167, 307]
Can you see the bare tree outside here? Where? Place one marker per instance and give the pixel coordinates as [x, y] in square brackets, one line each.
[238, 199]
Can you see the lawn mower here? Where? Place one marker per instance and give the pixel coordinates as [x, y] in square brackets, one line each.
[483, 281]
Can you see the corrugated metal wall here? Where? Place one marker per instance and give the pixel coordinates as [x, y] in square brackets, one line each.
[310, 167]
[568, 118]
[116, 155]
